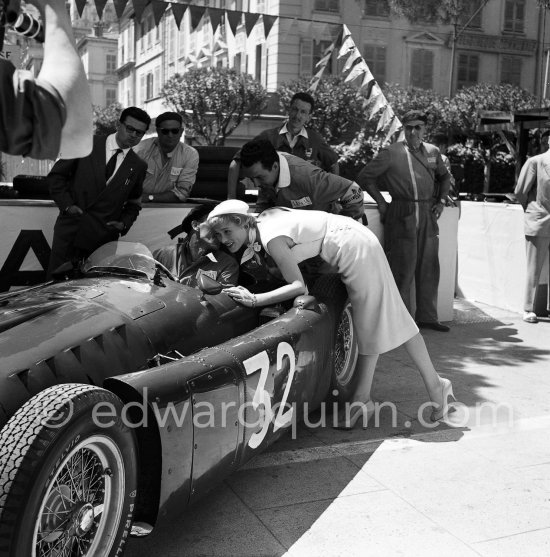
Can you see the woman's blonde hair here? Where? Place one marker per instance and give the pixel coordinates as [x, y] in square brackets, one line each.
[244, 221]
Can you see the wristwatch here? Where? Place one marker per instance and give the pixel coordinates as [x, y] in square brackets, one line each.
[151, 197]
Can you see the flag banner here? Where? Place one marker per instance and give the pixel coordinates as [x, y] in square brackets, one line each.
[379, 102]
[304, 27]
[158, 10]
[216, 15]
[324, 60]
[119, 7]
[80, 4]
[268, 21]
[385, 119]
[139, 6]
[359, 69]
[395, 125]
[234, 19]
[196, 15]
[250, 21]
[178, 11]
[353, 58]
[100, 6]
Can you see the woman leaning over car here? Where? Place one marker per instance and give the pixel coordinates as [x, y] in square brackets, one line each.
[380, 318]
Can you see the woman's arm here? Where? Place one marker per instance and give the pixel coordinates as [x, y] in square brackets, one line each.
[279, 249]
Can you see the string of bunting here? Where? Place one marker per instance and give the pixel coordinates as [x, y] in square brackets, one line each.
[215, 15]
[374, 100]
[355, 66]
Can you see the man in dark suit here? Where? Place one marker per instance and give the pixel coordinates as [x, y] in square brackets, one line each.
[99, 196]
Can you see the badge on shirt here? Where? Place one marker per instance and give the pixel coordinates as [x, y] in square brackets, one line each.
[175, 171]
[303, 202]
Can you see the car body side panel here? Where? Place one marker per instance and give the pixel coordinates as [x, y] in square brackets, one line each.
[286, 360]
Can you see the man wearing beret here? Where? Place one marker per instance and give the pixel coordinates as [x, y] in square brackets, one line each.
[171, 164]
[418, 181]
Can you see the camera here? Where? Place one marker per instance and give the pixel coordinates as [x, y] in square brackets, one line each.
[21, 21]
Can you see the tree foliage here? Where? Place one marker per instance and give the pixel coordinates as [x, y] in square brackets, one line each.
[338, 110]
[214, 101]
[105, 119]
[430, 11]
[462, 113]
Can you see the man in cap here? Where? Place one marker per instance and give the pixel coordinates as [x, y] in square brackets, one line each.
[418, 181]
[198, 253]
[171, 164]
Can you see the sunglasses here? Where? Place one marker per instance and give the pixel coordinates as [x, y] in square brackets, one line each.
[131, 129]
[166, 131]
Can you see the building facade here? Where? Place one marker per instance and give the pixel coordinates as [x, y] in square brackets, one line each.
[499, 41]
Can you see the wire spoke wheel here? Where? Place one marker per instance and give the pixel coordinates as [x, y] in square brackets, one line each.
[83, 503]
[345, 348]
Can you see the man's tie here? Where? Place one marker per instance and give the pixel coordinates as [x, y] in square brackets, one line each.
[110, 166]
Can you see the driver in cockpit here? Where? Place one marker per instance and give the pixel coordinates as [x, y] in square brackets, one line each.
[198, 252]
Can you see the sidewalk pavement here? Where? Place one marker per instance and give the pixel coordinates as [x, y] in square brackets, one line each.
[478, 485]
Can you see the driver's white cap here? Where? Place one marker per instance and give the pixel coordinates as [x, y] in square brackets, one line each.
[229, 207]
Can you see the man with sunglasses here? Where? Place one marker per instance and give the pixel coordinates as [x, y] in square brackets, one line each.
[99, 196]
[418, 181]
[171, 164]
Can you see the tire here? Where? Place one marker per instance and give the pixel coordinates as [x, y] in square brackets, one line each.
[330, 290]
[67, 483]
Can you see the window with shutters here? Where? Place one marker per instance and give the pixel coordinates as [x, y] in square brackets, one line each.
[375, 58]
[156, 82]
[110, 96]
[237, 62]
[258, 65]
[110, 64]
[467, 70]
[332, 6]
[149, 86]
[142, 88]
[510, 70]
[377, 8]
[422, 68]
[514, 16]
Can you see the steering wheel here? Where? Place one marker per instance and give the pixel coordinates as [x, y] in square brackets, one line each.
[165, 271]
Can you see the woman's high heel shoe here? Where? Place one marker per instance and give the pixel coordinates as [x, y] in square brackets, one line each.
[349, 416]
[443, 406]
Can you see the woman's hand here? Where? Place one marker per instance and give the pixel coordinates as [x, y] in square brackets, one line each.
[241, 295]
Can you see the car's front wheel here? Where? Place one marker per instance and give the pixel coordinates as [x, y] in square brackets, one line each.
[68, 475]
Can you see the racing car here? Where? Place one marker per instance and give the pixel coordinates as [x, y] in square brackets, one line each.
[126, 395]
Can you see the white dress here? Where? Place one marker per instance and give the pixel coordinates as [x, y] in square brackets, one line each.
[379, 314]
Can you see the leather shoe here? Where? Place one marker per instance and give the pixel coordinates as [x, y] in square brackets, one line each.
[435, 325]
[530, 317]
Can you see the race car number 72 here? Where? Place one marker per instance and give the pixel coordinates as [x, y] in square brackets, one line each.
[260, 362]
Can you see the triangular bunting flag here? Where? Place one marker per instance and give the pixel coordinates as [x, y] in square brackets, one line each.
[367, 79]
[196, 15]
[347, 46]
[250, 20]
[395, 125]
[216, 15]
[234, 18]
[313, 84]
[323, 61]
[158, 10]
[100, 6]
[304, 27]
[119, 7]
[380, 101]
[80, 6]
[268, 20]
[178, 10]
[319, 31]
[286, 26]
[354, 57]
[385, 119]
[359, 69]
[139, 6]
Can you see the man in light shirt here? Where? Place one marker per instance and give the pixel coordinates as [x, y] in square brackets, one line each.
[171, 164]
[99, 196]
[292, 137]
